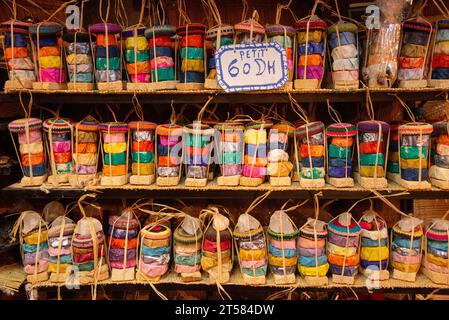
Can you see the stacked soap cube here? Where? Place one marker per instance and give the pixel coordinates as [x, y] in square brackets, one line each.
[229, 148]
[255, 160]
[415, 46]
[371, 136]
[312, 258]
[414, 150]
[136, 55]
[436, 251]
[282, 234]
[278, 157]
[168, 150]
[283, 35]
[343, 43]
[123, 235]
[60, 247]
[115, 146]
[107, 52]
[142, 147]
[17, 55]
[155, 250]
[312, 151]
[343, 245]
[340, 149]
[32, 156]
[440, 169]
[311, 49]
[85, 154]
[78, 57]
[187, 240]
[440, 59]
[197, 144]
[393, 149]
[161, 52]
[59, 134]
[192, 52]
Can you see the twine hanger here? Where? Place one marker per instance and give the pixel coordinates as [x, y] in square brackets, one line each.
[182, 10]
[441, 6]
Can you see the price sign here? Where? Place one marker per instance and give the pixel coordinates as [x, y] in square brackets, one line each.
[248, 67]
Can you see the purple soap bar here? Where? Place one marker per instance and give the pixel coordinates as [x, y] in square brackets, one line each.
[339, 172]
[87, 169]
[312, 72]
[231, 169]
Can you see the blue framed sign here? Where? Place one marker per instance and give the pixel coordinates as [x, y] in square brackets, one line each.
[249, 67]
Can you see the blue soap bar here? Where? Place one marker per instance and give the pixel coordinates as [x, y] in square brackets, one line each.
[261, 271]
[374, 265]
[416, 37]
[212, 62]
[312, 48]
[316, 162]
[38, 170]
[439, 74]
[113, 51]
[412, 174]
[367, 242]
[251, 149]
[345, 39]
[348, 271]
[81, 77]
[191, 77]
[45, 40]
[199, 160]
[442, 161]
[160, 52]
[340, 162]
[277, 145]
[339, 172]
[311, 261]
[19, 40]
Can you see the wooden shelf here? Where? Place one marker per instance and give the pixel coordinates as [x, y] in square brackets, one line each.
[214, 191]
[201, 96]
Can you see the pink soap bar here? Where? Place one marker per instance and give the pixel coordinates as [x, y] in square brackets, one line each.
[179, 268]
[254, 172]
[169, 141]
[61, 146]
[34, 136]
[115, 137]
[153, 270]
[162, 62]
[141, 77]
[52, 75]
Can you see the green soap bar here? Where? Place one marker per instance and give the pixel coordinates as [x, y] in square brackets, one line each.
[143, 157]
[393, 167]
[140, 55]
[114, 63]
[198, 141]
[163, 74]
[64, 167]
[231, 157]
[192, 53]
[314, 173]
[117, 158]
[339, 152]
[413, 152]
[369, 159]
[225, 41]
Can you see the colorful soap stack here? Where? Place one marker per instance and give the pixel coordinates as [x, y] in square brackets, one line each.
[414, 143]
[217, 36]
[339, 154]
[406, 248]
[187, 240]
[137, 58]
[197, 150]
[155, 248]
[282, 256]
[311, 53]
[79, 60]
[85, 153]
[312, 259]
[169, 154]
[251, 247]
[192, 56]
[393, 153]
[249, 31]
[59, 132]
[161, 56]
[17, 54]
[123, 236]
[439, 172]
[374, 251]
[32, 156]
[343, 248]
[440, 59]
[89, 251]
[60, 248]
[413, 56]
[435, 261]
[279, 166]
[229, 144]
[312, 153]
[46, 36]
[255, 159]
[115, 148]
[371, 136]
[33, 239]
[142, 149]
[285, 37]
[217, 242]
[343, 43]
[108, 73]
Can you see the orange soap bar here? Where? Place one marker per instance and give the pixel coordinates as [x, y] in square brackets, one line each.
[168, 161]
[315, 150]
[370, 147]
[114, 171]
[33, 159]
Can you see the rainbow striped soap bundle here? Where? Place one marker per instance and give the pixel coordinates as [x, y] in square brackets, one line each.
[280, 167]
[439, 171]
[439, 66]
[137, 59]
[18, 55]
[142, 152]
[169, 154]
[435, 264]
[393, 153]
